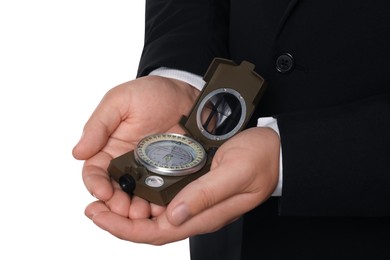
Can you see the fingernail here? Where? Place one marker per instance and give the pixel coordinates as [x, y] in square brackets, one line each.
[180, 214]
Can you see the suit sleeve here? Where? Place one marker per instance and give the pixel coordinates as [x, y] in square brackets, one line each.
[184, 34]
[336, 161]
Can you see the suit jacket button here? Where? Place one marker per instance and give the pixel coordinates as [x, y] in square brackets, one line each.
[285, 63]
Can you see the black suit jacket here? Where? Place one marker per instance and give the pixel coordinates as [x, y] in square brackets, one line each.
[327, 68]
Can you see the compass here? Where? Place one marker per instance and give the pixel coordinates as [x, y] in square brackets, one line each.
[170, 154]
[164, 163]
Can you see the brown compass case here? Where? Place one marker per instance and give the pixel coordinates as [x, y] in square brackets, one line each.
[223, 109]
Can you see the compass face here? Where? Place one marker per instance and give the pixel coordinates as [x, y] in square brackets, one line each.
[170, 154]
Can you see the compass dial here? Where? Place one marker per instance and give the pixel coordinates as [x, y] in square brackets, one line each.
[170, 154]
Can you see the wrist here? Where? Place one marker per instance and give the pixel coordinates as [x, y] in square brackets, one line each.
[265, 143]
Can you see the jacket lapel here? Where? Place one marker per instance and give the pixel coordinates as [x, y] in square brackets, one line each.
[286, 14]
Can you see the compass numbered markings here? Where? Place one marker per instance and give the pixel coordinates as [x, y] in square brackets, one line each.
[170, 154]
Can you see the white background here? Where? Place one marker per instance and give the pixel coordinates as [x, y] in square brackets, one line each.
[57, 59]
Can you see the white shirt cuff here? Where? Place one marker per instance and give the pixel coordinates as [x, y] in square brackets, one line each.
[194, 80]
[273, 124]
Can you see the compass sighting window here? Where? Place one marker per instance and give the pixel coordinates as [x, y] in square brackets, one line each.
[221, 114]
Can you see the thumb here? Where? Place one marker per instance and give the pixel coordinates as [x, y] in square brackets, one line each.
[97, 130]
[200, 195]
[91, 141]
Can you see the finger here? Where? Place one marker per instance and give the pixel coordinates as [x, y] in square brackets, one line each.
[95, 208]
[139, 230]
[139, 208]
[156, 210]
[205, 192]
[104, 120]
[219, 215]
[119, 203]
[159, 231]
[156, 231]
[95, 176]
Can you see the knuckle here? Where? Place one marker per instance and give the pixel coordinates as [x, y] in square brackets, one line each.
[207, 195]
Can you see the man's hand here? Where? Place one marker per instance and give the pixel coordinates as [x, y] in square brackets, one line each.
[126, 114]
[244, 173]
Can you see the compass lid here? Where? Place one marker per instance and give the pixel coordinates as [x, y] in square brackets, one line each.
[226, 102]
